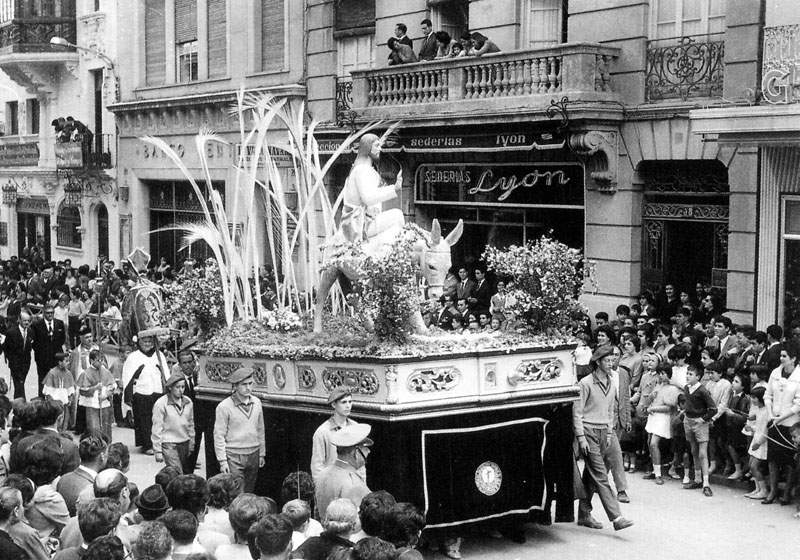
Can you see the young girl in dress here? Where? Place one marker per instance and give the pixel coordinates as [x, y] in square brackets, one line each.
[736, 412]
[659, 418]
[758, 447]
[642, 398]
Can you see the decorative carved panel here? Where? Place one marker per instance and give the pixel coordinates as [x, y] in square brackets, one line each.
[362, 381]
[433, 380]
[279, 376]
[221, 371]
[536, 371]
[306, 378]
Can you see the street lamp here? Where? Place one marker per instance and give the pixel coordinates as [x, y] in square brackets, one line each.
[61, 42]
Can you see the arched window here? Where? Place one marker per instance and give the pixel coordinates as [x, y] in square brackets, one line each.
[69, 222]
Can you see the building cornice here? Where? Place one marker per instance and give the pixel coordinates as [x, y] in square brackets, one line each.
[203, 99]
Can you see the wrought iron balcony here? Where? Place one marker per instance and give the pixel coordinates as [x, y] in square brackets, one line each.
[345, 116]
[85, 153]
[685, 67]
[27, 27]
[515, 81]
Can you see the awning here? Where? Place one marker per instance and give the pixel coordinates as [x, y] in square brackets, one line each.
[755, 125]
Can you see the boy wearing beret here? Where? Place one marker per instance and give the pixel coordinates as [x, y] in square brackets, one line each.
[173, 425]
[239, 433]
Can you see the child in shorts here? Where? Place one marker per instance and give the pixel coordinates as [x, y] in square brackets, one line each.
[700, 408]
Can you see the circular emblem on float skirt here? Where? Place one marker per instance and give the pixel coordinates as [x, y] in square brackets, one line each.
[488, 478]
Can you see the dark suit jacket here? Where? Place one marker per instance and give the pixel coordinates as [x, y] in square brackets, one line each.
[483, 295]
[17, 356]
[772, 357]
[465, 291]
[71, 485]
[429, 47]
[45, 346]
[444, 320]
[9, 550]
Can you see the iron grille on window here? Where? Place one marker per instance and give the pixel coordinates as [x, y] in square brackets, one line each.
[69, 223]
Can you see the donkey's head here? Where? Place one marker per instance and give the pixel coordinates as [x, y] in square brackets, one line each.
[435, 259]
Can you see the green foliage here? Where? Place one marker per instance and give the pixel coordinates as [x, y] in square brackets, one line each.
[545, 280]
[195, 296]
[345, 338]
[390, 294]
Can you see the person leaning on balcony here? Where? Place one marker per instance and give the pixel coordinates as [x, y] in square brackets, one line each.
[445, 45]
[477, 44]
[401, 53]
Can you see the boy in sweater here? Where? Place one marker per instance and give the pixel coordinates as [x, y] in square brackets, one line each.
[173, 425]
[239, 433]
[700, 408]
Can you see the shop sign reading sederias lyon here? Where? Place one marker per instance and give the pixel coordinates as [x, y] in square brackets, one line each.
[529, 184]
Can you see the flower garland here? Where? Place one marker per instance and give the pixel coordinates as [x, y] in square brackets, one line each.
[195, 295]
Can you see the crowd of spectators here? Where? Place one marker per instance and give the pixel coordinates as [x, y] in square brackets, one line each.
[698, 394]
[436, 45]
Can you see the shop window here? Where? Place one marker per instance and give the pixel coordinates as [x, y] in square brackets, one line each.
[790, 272]
[686, 18]
[12, 118]
[69, 223]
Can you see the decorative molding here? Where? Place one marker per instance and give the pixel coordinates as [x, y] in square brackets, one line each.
[221, 371]
[693, 212]
[279, 376]
[490, 375]
[306, 378]
[536, 371]
[433, 380]
[361, 381]
[689, 68]
[260, 373]
[603, 158]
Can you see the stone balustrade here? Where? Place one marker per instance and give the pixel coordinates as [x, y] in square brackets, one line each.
[580, 70]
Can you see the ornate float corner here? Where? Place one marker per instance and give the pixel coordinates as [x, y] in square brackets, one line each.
[391, 385]
[600, 148]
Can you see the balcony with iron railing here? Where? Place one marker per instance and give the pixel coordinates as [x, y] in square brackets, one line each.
[685, 67]
[512, 82]
[27, 27]
[83, 152]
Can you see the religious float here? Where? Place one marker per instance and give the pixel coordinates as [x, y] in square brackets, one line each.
[468, 427]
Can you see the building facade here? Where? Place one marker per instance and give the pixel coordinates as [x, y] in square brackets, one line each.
[769, 127]
[59, 191]
[573, 98]
[186, 61]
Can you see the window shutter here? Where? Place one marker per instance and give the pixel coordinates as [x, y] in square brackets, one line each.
[155, 42]
[272, 35]
[353, 14]
[185, 21]
[217, 39]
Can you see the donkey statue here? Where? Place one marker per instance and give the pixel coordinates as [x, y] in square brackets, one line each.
[431, 254]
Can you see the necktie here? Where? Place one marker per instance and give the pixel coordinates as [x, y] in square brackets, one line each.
[50, 329]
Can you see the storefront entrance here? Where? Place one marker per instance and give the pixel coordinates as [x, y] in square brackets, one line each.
[173, 203]
[685, 218]
[33, 226]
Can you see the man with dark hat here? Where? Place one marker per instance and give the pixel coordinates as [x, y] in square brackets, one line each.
[239, 432]
[323, 452]
[49, 338]
[173, 425]
[143, 377]
[341, 479]
[151, 503]
[593, 420]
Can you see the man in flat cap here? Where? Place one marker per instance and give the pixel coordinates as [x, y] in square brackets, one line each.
[341, 479]
[593, 420]
[323, 452]
[173, 425]
[239, 433]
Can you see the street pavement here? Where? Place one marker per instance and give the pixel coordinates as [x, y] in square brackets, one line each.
[670, 522]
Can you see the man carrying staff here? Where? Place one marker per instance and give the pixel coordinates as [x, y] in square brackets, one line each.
[144, 376]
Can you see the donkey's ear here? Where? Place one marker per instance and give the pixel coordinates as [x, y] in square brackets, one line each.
[436, 233]
[453, 237]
